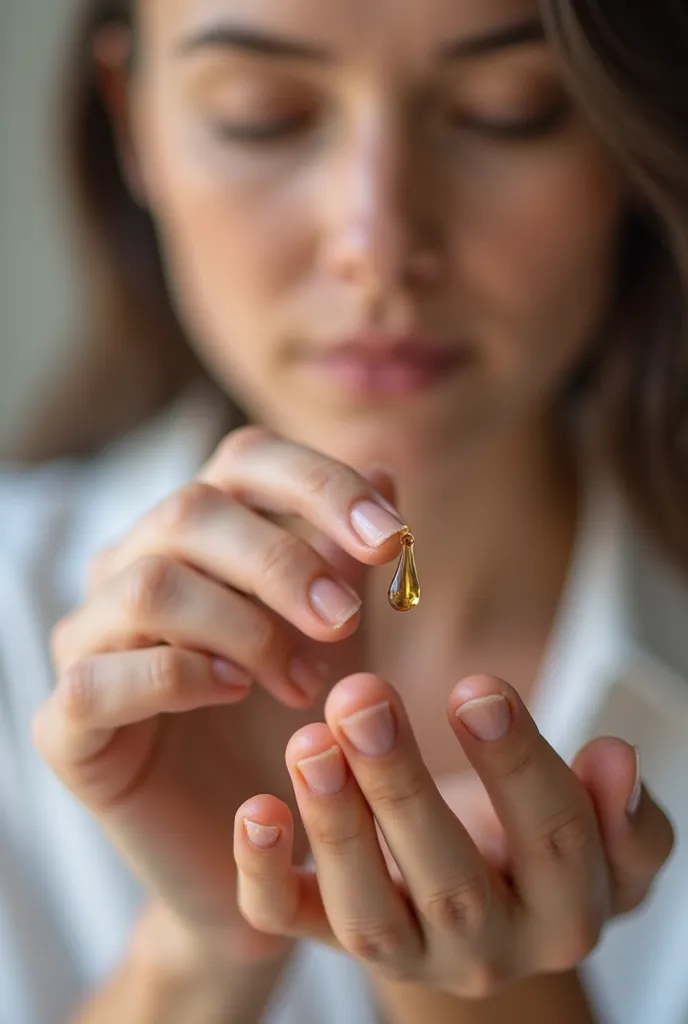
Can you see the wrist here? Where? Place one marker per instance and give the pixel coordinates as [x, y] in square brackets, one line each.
[180, 975]
[164, 944]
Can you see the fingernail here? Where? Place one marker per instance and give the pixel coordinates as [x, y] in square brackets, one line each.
[308, 678]
[334, 602]
[229, 674]
[637, 791]
[487, 718]
[262, 836]
[371, 731]
[374, 524]
[325, 773]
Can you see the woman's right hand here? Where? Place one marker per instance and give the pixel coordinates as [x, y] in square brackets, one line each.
[205, 596]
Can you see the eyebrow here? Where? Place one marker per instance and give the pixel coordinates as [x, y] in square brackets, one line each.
[531, 30]
[237, 37]
[265, 44]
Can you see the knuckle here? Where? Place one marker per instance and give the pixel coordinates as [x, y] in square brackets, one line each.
[320, 477]
[261, 638]
[60, 641]
[337, 840]
[628, 896]
[571, 949]
[513, 765]
[565, 837]
[462, 908]
[583, 941]
[97, 569]
[186, 506]
[281, 557]
[167, 671]
[484, 980]
[268, 916]
[152, 585]
[374, 942]
[238, 442]
[396, 790]
[262, 918]
[76, 691]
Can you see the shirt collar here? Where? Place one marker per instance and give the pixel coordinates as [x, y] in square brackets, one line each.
[621, 622]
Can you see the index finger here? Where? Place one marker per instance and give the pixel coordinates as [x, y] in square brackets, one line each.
[279, 477]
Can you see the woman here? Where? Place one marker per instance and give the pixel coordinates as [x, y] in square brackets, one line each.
[435, 254]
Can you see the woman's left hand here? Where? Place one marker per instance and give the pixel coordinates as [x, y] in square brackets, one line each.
[527, 893]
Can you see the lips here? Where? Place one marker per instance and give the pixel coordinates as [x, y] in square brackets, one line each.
[378, 349]
[377, 365]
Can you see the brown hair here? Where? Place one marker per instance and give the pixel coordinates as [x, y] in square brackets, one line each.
[627, 68]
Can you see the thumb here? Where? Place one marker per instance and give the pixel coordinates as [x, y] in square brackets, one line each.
[350, 569]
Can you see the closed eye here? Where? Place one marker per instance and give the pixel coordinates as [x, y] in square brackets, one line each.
[263, 132]
[513, 130]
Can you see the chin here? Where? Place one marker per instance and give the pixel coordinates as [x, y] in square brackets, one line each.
[406, 449]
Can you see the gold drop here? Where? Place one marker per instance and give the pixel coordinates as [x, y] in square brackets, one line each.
[404, 590]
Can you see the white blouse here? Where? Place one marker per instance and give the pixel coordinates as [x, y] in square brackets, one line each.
[617, 664]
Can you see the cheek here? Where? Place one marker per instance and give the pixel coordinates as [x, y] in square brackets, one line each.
[538, 261]
[235, 243]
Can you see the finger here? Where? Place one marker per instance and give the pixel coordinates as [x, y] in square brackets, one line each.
[273, 896]
[102, 693]
[100, 568]
[637, 835]
[283, 478]
[445, 874]
[208, 530]
[558, 863]
[159, 600]
[366, 911]
[347, 568]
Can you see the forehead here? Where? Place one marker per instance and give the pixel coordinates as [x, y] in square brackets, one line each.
[394, 28]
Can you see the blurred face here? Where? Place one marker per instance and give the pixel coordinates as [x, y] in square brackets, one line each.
[386, 227]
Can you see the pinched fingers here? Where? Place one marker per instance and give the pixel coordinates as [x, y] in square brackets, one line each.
[277, 476]
[204, 528]
[160, 600]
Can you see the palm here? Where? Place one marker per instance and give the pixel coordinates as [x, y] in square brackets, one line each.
[174, 785]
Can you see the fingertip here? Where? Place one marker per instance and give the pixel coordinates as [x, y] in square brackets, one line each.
[607, 768]
[476, 687]
[486, 707]
[261, 822]
[356, 692]
[309, 741]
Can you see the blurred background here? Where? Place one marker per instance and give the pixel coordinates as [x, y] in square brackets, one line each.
[38, 307]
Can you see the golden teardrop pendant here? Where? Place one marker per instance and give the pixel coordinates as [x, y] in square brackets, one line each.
[404, 590]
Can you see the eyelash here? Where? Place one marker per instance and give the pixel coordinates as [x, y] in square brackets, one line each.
[262, 133]
[527, 130]
[274, 132]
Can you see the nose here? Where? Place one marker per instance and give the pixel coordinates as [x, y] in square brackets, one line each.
[380, 236]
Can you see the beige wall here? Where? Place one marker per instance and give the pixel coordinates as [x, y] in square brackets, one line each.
[37, 292]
